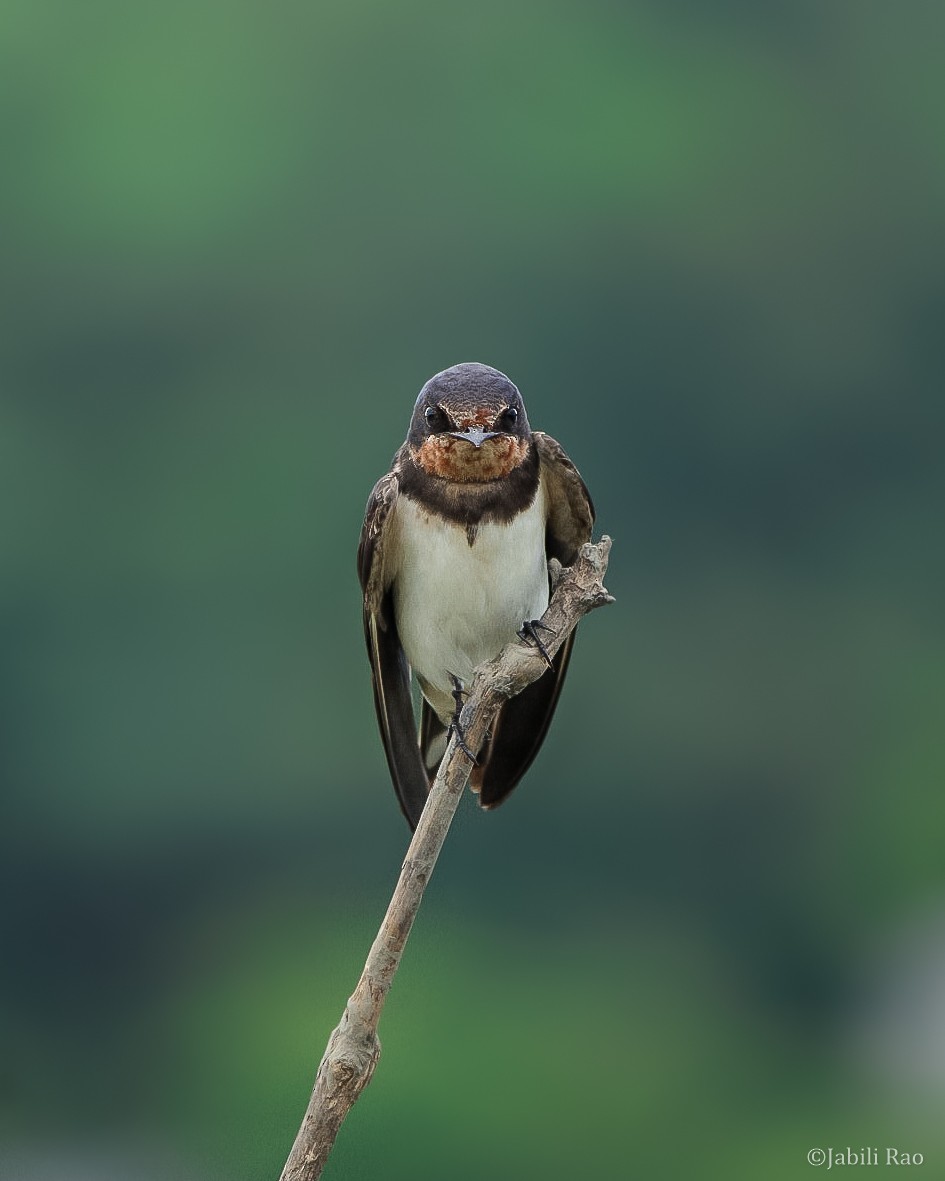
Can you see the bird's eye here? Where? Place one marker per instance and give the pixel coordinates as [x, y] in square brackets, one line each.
[434, 416]
[510, 415]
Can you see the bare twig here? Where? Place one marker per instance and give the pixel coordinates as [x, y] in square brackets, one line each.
[353, 1048]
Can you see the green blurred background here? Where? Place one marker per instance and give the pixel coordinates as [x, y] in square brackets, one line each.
[707, 933]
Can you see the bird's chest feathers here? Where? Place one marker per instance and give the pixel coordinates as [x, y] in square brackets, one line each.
[458, 597]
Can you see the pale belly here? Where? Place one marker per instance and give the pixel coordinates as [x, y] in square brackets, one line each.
[457, 604]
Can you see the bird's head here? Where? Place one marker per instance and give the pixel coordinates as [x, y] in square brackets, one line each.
[469, 425]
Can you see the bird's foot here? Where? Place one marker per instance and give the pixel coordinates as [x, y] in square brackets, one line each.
[529, 631]
[455, 728]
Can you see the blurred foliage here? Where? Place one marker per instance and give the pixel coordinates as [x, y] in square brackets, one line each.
[705, 241]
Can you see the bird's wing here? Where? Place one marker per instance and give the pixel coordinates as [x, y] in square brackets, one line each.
[522, 723]
[389, 669]
[570, 509]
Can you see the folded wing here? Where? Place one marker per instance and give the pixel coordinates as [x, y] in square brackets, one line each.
[389, 670]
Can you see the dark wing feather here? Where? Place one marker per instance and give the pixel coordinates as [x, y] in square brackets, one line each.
[390, 673]
[570, 509]
[518, 732]
[522, 723]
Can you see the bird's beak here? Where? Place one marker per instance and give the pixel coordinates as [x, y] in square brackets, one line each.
[475, 435]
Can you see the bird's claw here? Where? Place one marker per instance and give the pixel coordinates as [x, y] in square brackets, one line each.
[458, 692]
[529, 631]
[461, 742]
[455, 728]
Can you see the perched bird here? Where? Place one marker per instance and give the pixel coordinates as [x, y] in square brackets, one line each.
[453, 564]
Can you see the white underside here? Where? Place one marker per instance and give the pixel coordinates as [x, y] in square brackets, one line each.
[457, 604]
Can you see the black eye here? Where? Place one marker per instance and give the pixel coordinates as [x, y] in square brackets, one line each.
[433, 416]
[510, 415]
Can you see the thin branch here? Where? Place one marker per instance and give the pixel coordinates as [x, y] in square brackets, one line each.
[353, 1048]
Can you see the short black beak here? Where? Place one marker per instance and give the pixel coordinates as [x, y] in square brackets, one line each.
[475, 435]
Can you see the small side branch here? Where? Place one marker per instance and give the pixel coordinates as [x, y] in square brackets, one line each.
[353, 1048]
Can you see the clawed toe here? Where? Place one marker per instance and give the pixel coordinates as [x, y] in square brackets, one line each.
[529, 631]
[455, 728]
[461, 742]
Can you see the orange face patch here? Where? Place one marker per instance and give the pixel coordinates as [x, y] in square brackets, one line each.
[459, 460]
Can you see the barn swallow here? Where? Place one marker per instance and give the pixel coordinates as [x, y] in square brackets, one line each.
[453, 565]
